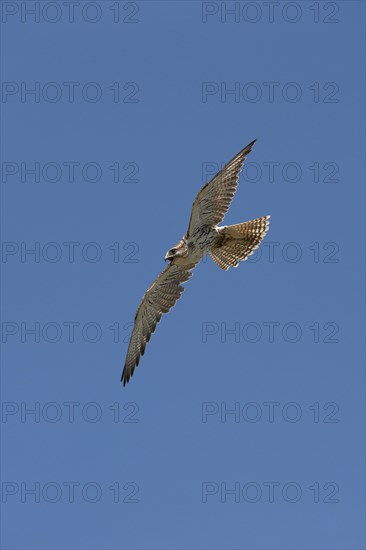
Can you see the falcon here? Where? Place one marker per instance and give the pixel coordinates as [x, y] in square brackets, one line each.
[227, 245]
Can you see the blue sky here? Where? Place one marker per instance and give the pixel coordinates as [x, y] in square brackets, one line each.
[243, 426]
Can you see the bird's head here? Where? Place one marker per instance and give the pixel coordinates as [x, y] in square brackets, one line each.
[177, 251]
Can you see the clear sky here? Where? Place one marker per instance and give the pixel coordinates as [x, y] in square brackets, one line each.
[115, 114]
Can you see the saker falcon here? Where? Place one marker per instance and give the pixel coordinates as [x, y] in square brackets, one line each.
[227, 245]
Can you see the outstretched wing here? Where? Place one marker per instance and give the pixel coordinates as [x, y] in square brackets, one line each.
[158, 299]
[213, 201]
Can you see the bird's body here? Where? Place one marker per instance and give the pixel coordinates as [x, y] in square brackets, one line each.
[203, 238]
[196, 246]
[227, 245]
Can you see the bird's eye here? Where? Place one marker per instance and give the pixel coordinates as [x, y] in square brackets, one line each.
[173, 251]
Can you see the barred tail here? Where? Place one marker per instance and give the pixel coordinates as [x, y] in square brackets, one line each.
[239, 242]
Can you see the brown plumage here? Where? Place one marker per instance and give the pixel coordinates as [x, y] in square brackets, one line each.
[239, 242]
[158, 299]
[226, 245]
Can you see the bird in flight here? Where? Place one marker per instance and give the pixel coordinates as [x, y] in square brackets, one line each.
[227, 245]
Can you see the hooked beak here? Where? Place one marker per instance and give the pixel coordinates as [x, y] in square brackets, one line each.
[167, 257]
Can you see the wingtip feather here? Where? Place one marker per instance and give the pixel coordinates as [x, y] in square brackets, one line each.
[251, 144]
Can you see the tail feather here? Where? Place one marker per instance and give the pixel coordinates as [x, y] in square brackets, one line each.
[239, 242]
